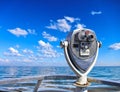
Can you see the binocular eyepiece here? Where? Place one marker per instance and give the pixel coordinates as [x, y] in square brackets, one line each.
[86, 36]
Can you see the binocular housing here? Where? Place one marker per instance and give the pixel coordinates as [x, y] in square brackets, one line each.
[81, 50]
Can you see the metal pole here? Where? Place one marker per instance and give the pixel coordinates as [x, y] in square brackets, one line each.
[81, 84]
[80, 89]
[37, 85]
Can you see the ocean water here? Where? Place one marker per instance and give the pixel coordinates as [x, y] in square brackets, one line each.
[104, 72]
[101, 72]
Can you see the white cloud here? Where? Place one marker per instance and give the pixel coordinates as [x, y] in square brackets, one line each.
[12, 52]
[18, 32]
[115, 46]
[64, 25]
[45, 45]
[96, 12]
[80, 26]
[71, 19]
[49, 53]
[53, 25]
[49, 37]
[27, 51]
[33, 57]
[27, 60]
[4, 60]
[30, 31]
[46, 50]
[61, 25]
[21, 32]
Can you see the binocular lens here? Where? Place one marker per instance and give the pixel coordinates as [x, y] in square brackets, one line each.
[90, 37]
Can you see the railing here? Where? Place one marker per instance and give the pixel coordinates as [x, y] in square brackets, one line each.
[55, 77]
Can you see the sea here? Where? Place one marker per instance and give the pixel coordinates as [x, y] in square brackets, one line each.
[104, 72]
[99, 72]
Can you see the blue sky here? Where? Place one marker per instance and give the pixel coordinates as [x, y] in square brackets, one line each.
[30, 30]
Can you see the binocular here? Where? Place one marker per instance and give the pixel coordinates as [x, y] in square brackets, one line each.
[81, 51]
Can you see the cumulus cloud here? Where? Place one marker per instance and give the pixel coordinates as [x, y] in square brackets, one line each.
[12, 52]
[46, 50]
[115, 46]
[60, 25]
[18, 32]
[27, 51]
[63, 25]
[45, 45]
[49, 37]
[33, 57]
[96, 12]
[21, 32]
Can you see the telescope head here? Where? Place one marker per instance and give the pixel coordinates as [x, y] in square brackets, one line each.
[81, 50]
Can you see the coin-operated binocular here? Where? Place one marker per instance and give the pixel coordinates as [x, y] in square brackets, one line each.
[81, 51]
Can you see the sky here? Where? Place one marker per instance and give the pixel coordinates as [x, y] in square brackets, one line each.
[31, 30]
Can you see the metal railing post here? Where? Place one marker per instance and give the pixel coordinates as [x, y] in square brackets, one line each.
[37, 85]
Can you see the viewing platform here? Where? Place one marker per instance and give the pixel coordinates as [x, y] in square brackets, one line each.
[55, 83]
